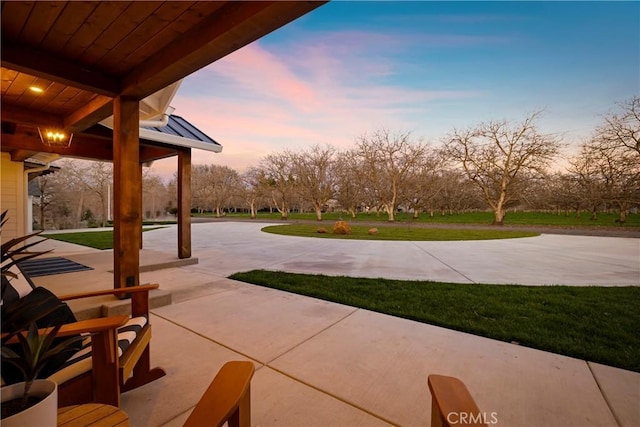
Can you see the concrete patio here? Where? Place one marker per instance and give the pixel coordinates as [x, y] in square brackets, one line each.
[326, 364]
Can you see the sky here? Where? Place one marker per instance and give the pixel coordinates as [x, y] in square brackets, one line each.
[353, 67]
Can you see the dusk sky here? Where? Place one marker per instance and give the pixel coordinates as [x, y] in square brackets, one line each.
[354, 67]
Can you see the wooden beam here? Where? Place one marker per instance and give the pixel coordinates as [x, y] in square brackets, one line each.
[226, 30]
[83, 147]
[98, 109]
[39, 63]
[27, 116]
[184, 204]
[127, 192]
[149, 153]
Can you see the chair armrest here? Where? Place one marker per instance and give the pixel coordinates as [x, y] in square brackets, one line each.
[228, 398]
[451, 400]
[131, 290]
[93, 325]
[90, 326]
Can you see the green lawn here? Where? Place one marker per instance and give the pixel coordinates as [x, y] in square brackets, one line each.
[512, 218]
[360, 232]
[598, 324]
[93, 239]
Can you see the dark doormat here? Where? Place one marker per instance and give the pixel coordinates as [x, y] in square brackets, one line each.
[49, 266]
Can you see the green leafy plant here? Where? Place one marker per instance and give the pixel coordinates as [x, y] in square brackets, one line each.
[24, 346]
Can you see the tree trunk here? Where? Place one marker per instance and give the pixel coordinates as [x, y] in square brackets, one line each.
[252, 208]
[498, 216]
[318, 210]
[390, 213]
[623, 216]
[41, 213]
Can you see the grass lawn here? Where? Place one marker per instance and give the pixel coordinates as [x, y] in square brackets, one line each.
[360, 232]
[512, 218]
[598, 324]
[93, 239]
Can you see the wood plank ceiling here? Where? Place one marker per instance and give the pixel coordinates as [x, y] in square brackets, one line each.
[84, 54]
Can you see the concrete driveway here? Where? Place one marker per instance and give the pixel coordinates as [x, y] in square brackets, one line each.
[229, 247]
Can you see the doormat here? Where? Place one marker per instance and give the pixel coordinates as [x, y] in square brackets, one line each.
[49, 266]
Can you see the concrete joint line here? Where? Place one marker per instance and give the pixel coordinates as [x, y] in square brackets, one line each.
[311, 337]
[338, 398]
[442, 262]
[210, 340]
[604, 395]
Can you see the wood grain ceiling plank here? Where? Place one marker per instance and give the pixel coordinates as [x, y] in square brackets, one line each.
[20, 85]
[100, 19]
[14, 17]
[41, 100]
[135, 45]
[50, 66]
[170, 64]
[190, 17]
[7, 78]
[122, 26]
[66, 96]
[41, 19]
[67, 24]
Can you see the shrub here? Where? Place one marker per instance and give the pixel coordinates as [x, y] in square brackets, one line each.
[341, 227]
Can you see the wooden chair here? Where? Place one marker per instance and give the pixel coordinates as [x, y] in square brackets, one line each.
[111, 374]
[102, 374]
[228, 398]
[452, 404]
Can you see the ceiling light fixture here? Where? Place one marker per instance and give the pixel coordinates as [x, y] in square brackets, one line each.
[36, 89]
[55, 137]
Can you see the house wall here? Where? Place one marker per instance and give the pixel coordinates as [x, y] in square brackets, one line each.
[12, 197]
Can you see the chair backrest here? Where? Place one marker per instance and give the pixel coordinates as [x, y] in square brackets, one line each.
[18, 286]
[452, 404]
[228, 398]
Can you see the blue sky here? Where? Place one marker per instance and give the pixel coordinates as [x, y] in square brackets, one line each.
[351, 67]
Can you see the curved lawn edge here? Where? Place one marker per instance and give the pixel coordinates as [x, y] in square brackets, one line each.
[593, 323]
[395, 233]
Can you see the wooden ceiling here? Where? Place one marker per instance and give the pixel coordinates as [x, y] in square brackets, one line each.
[83, 54]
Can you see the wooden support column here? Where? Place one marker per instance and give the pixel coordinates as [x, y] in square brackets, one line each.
[127, 192]
[184, 204]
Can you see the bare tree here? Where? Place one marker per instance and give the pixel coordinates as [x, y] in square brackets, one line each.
[45, 197]
[607, 174]
[155, 195]
[349, 189]
[497, 155]
[314, 171]
[388, 160]
[423, 184]
[622, 130]
[213, 187]
[278, 180]
[251, 190]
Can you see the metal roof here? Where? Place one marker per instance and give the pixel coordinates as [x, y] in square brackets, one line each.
[178, 126]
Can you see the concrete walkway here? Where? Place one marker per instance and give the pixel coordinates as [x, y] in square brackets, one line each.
[325, 364]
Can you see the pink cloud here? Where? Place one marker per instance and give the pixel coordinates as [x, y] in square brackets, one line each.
[256, 101]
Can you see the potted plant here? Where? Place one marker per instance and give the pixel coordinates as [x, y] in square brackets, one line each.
[27, 348]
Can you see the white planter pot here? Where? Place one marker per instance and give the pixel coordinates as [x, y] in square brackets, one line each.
[43, 414]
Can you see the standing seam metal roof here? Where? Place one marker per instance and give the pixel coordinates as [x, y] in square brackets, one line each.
[178, 126]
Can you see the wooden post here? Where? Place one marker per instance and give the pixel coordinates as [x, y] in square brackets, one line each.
[127, 191]
[184, 204]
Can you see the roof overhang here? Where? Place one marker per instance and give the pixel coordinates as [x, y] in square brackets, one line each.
[84, 54]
